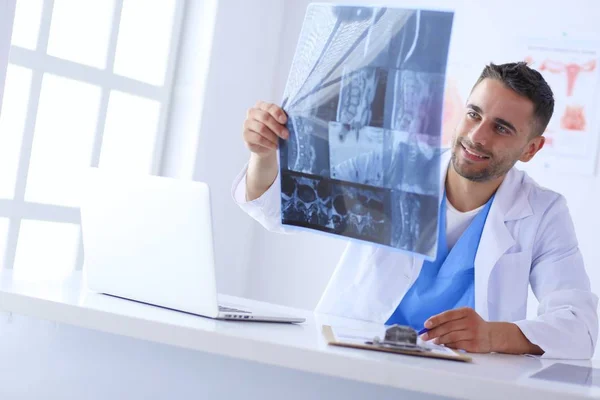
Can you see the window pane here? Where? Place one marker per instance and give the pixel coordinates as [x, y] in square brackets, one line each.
[12, 122]
[143, 42]
[129, 133]
[3, 235]
[27, 23]
[46, 249]
[80, 31]
[63, 140]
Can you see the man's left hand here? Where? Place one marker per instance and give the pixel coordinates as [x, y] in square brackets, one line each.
[461, 329]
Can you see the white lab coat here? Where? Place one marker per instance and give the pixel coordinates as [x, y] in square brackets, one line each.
[528, 238]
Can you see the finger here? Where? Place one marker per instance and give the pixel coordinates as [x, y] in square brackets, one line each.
[254, 139]
[267, 119]
[455, 325]
[252, 125]
[454, 337]
[445, 317]
[467, 345]
[276, 111]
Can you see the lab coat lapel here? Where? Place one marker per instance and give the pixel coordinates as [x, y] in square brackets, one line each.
[510, 203]
[495, 241]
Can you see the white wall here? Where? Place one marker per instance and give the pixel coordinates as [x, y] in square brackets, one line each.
[243, 61]
[7, 13]
[188, 94]
[294, 269]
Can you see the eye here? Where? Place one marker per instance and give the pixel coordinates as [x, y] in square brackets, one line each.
[472, 114]
[502, 130]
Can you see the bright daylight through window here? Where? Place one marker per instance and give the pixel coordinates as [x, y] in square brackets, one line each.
[88, 84]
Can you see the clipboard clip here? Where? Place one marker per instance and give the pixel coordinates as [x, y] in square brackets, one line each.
[399, 337]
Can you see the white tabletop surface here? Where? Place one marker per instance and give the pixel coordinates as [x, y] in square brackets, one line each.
[299, 347]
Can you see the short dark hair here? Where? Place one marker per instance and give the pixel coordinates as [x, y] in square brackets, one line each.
[528, 83]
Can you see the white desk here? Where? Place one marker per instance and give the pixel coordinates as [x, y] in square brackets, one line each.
[299, 348]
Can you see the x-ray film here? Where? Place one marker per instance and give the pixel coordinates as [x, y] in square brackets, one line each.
[364, 102]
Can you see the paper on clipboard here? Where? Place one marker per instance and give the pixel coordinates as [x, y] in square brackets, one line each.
[362, 339]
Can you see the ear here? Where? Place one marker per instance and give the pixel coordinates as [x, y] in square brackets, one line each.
[532, 148]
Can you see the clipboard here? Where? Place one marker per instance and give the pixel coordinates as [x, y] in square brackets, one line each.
[361, 340]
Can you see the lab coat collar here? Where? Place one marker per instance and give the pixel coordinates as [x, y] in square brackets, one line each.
[510, 203]
[513, 198]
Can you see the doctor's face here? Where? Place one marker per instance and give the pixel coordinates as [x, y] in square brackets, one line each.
[495, 131]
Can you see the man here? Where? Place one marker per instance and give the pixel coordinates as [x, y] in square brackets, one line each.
[510, 231]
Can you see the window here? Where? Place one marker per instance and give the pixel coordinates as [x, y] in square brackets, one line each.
[88, 84]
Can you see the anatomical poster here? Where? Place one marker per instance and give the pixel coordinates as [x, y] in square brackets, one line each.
[571, 69]
[364, 101]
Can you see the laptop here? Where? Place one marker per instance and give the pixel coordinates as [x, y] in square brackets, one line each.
[150, 239]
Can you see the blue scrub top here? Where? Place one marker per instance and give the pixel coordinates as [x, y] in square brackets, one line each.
[449, 281]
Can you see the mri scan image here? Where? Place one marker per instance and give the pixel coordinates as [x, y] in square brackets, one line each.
[414, 222]
[307, 149]
[306, 201]
[364, 101]
[356, 155]
[355, 211]
[361, 212]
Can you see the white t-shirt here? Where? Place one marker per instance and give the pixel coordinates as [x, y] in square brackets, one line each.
[457, 222]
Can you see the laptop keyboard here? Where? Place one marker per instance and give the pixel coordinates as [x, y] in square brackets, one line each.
[233, 310]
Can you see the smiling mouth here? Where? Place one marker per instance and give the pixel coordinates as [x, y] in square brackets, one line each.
[474, 154]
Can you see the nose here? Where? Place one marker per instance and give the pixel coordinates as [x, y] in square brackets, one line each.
[480, 133]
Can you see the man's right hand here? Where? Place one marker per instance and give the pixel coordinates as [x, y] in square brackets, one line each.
[264, 125]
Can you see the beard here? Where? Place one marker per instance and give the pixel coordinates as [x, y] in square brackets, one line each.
[496, 167]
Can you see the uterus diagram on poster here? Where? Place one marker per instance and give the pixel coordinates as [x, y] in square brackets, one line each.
[571, 69]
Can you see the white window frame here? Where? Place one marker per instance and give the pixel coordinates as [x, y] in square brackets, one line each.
[39, 62]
